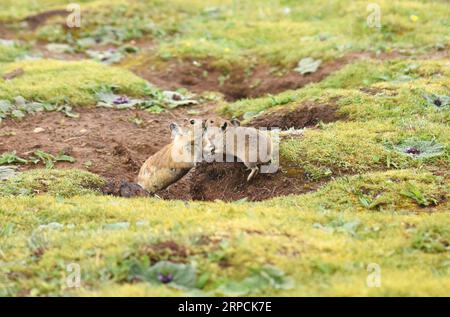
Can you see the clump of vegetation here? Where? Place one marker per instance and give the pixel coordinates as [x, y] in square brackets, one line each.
[20, 107]
[49, 160]
[155, 101]
[341, 148]
[420, 149]
[178, 275]
[414, 193]
[439, 101]
[11, 158]
[62, 82]
[432, 239]
[308, 65]
[396, 190]
[111, 56]
[63, 183]
[38, 156]
[261, 279]
[10, 51]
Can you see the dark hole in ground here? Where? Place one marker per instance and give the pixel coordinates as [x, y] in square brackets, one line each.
[223, 181]
[228, 182]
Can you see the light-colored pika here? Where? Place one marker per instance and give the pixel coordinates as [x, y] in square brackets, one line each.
[175, 159]
[249, 145]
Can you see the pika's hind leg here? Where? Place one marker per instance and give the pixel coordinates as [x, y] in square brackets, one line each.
[254, 171]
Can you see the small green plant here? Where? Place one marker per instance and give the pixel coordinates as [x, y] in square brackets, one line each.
[340, 224]
[183, 276]
[418, 149]
[6, 230]
[107, 97]
[111, 56]
[431, 240]
[37, 244]
[20, 107]
[308, 65]
[11, 158]
[49, 160]
[439, 101]
[371, 203]
[413, 192]
[259, 280]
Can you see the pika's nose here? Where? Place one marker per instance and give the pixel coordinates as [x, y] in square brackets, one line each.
[213, 149]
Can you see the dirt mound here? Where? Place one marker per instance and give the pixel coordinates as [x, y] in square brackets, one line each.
[236, 83]
[305, 115]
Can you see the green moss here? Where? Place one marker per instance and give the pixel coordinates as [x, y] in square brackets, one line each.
[376, 191]
[324, 247]
[378, 205]
[364, 89]
[10, 53]
[277, 32]
[63, 183]
[342, 148]
[283, 33]
[61, 81]
[432, 239]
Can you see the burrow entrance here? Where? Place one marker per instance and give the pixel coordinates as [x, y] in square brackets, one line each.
[115, 143]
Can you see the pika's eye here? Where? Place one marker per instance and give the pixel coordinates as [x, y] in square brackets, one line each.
[211, 121]
[192, 121]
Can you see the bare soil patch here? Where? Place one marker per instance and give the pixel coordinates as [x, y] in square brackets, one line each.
[104, 141]
[236, 83]
[5, 33]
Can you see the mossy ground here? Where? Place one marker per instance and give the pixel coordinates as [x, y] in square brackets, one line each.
[66, 82]
[377, 205]
[324, 240]
[63, 183]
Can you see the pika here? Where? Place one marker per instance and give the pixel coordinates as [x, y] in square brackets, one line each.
[248, 145]
[175, 159]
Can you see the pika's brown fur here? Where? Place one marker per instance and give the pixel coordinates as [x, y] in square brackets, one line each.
[244, 143]
[174, 160]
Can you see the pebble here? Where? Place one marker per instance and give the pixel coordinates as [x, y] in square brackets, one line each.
[38, 130]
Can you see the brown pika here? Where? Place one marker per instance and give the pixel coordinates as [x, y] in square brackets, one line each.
[175, 159]
[249, 145]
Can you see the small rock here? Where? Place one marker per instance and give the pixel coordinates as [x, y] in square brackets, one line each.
[38, 130]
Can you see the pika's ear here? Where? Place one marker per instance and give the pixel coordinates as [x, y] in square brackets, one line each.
[175, 129]
[235, 122]
[224, 126]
